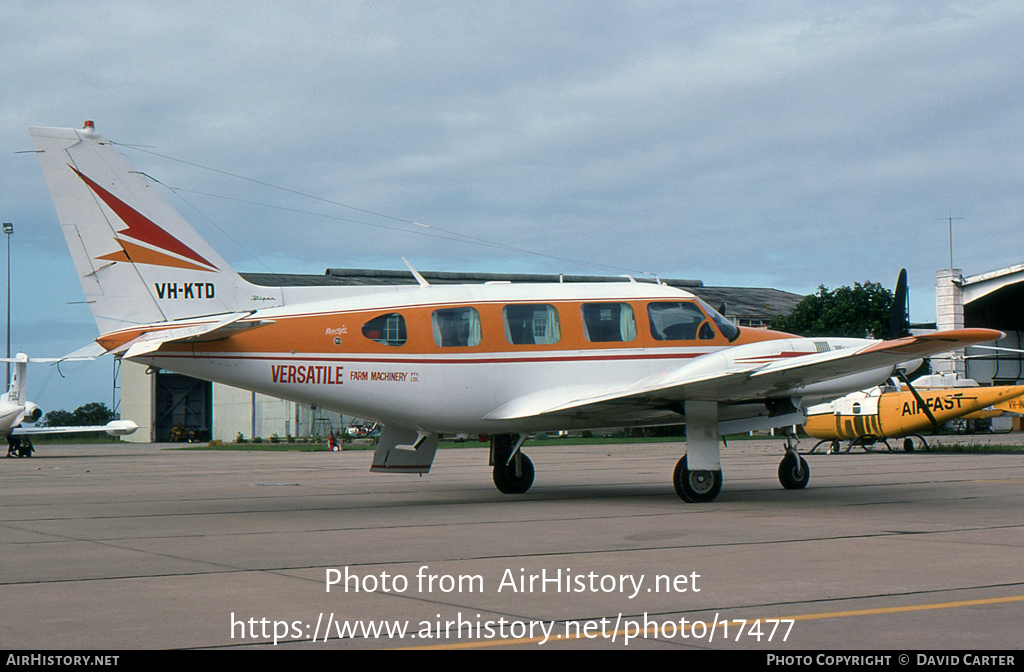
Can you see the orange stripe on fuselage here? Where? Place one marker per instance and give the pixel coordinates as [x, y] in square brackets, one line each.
[316, 333]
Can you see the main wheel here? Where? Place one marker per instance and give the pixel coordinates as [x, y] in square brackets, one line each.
[508, 481]
[696, 485]
[794, 474]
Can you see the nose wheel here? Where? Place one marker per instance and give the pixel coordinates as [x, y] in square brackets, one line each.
[794, 472]
[513, 471]
[515, 477]
[696, 485]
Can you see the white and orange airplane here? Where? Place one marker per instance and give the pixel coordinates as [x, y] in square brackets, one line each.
[497, 359]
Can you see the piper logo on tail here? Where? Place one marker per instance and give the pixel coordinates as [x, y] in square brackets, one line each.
[170, 250]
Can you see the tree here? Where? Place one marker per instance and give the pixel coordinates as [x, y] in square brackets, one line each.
[58, 418]
[94, 413]
[862, 311]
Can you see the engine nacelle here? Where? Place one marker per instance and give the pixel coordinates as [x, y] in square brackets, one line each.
[32, 412]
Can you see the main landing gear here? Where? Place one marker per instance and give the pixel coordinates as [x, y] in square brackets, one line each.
[513, 471]
[700, 486]
[696, 485]
[18, 446]
[909, 444]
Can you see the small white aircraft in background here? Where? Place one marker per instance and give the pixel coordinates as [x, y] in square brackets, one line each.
[15, 410]
[497, 359]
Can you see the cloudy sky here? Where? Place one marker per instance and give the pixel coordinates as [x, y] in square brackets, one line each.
[782, 144]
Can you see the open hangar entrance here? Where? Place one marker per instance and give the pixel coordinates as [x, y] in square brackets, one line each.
[182, 407]
[994, 300]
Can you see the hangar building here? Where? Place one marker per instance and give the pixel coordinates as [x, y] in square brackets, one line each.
[995, 300]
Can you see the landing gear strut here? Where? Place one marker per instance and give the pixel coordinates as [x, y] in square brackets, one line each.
[19, 446]
[915, 442]
[793, 470]
[696, 485]
[513, 471]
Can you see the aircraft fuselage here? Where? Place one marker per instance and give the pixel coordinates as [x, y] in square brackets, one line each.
[442, 358]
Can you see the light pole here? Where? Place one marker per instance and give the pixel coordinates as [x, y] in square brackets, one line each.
[8, 230]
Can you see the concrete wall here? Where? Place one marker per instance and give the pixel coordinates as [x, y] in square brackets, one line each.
[237, 411]
[137, 390]
[949, 314]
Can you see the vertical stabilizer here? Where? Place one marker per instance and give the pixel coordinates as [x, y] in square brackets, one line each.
[138, 260]
[16, 390]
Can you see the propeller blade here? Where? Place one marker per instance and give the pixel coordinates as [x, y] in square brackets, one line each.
[899, 320]
[917, 396]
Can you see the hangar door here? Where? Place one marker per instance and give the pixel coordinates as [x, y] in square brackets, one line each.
[182, 408]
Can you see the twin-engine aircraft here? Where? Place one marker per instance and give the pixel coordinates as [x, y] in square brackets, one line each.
[16, 410]
[497, 359]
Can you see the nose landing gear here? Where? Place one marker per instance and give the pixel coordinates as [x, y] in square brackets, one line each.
[793, 470]
[513, 471]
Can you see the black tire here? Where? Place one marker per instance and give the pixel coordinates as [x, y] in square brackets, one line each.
[792, 474]
[506, 479]
[696, 486]
[908, 445]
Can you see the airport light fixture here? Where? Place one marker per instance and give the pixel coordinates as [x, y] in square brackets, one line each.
[8, 230]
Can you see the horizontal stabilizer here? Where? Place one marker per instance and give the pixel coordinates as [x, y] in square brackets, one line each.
[46, 360]
[151, 341]
[91, 351]
[114, 428]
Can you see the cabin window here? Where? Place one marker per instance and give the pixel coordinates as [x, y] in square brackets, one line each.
[607, 322]
[387, 329]
[678, 321]
[456, 327]
[532, 324]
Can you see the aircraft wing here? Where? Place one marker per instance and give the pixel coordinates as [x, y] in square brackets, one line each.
[735, 379]
[114, 428]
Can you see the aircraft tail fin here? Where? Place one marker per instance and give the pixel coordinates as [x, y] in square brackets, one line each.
[138, 260]
[16, 388]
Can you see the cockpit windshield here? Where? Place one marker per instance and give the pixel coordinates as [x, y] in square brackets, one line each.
[728, 329]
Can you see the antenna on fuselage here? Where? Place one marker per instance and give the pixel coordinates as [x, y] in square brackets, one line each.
[416, 274]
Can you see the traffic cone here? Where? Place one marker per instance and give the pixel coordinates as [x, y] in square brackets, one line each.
[332, 443]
